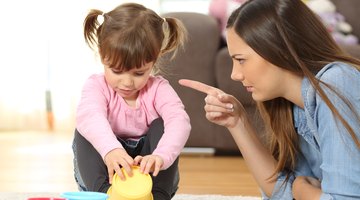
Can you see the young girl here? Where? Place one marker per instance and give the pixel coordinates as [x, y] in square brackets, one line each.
[308, 92]
[128, 116]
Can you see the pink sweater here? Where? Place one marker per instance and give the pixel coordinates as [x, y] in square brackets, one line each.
[102, 115]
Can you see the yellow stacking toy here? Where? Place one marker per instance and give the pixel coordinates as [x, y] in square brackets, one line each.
[137, 187]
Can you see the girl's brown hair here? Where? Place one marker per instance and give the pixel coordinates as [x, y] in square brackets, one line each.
[132, 35]
[289, 35]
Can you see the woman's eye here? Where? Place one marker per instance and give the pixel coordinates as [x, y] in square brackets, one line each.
[240, 60]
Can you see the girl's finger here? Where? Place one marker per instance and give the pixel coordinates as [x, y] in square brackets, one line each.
[111, 174]
[129, 160]
[157, 168]
[149, 165]
[137, 160]
[127, 168]
[118, 171]
[143, 164]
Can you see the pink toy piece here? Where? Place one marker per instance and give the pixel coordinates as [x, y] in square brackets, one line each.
[45, 198]
[221, 10]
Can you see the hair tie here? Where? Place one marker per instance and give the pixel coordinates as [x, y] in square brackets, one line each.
[165, 29]
[101, 19]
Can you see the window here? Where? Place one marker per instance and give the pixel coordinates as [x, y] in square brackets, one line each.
[200, 6]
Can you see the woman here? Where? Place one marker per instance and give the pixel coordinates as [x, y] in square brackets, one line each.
[308, 93]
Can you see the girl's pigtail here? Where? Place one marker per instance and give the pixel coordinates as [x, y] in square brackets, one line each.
[175, 35]
[92, 25]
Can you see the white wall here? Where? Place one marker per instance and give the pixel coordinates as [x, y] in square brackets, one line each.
[42, 47]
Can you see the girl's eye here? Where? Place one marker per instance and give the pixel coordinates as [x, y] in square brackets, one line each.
[139, 73]
[116, 71]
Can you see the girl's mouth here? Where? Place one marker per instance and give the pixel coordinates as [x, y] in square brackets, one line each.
[125, 92]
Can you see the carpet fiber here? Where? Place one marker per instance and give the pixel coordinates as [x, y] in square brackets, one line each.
[24, 196]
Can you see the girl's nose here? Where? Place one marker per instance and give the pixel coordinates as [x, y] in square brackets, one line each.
[127, 82]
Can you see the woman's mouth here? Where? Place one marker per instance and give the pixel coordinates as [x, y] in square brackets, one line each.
[249, 88]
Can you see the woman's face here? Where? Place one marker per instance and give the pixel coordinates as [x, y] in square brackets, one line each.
[264, 80]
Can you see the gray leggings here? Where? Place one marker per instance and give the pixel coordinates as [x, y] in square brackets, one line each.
[91, 172]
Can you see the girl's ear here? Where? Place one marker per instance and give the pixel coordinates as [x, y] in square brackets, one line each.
[104, 62]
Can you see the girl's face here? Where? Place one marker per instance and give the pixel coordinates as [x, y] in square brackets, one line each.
[128, 83]
[264, 80]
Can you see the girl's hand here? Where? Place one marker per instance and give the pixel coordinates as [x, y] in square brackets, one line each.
[221, 108]
[116, 158]
[149, 163]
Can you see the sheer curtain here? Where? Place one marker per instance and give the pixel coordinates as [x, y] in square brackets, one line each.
[43, 52]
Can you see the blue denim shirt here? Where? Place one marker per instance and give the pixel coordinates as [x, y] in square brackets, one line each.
[328, 152]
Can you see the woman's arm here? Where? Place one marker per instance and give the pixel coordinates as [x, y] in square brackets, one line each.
[258, 159]
[340, 157]
[306, 188]
[226, 110]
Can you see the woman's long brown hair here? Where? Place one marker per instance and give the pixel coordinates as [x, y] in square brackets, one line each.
[289, 35]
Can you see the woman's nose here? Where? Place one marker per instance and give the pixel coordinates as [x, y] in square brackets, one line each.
[237, 75]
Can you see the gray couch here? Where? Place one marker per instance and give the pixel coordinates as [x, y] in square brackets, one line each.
[205, 59]
[350, 10]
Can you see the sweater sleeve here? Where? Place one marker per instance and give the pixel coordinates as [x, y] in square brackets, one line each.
[91, 116]
[176, 123]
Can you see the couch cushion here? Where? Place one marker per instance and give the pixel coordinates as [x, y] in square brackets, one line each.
[350, 10]
[353, 50]
[196, 62]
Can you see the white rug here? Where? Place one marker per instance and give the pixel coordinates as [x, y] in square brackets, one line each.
[212, 197]
[24, 196]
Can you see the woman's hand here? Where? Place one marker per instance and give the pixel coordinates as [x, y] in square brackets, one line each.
[221, 108]
[116, 158]
[149, 163]
[305, 185]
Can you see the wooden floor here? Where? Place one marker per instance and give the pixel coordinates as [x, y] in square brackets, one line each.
[42, 162]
